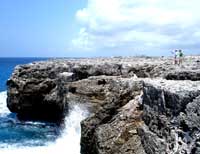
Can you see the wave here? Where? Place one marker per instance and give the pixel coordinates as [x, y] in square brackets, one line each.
[3, 106]
[67, 142]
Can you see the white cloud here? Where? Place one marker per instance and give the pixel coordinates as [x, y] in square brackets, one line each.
[139, 24]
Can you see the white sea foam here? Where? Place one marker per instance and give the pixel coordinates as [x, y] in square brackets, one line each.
[68, 142]
[3, 107]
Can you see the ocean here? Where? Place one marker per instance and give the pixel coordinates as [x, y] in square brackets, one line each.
[36, 137]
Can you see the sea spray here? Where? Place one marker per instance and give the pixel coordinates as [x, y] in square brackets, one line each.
[3, 107]
[67, 142]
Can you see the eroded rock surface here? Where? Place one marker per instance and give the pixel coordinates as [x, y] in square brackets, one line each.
[119, 92]
[170, 109]
[38, 87]
[33, 92]
[193, 75]
[120, 136]
[134, 109]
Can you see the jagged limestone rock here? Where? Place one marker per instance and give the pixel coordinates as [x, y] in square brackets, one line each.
[168, 113]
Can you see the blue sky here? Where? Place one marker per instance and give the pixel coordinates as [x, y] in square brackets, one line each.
[77, 28]
[40, 28]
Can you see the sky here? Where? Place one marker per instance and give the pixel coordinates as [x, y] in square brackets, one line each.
[88, 28]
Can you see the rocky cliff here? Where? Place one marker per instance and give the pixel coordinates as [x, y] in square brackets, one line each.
[135, 103]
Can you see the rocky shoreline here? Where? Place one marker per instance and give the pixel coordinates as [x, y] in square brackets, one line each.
[142, 105]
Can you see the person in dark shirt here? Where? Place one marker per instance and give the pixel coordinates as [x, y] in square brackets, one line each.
[180, 57]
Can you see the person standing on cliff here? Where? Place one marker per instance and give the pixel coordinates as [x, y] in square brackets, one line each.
[175, 57]
[180, 57]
